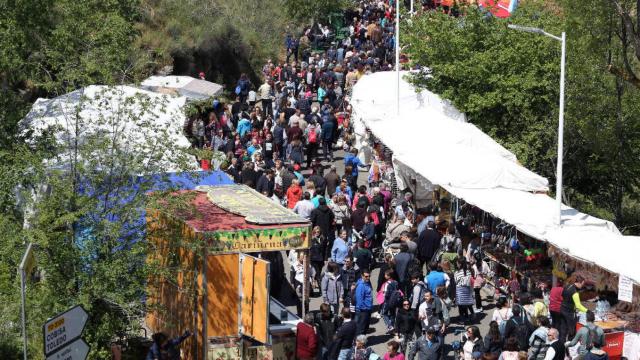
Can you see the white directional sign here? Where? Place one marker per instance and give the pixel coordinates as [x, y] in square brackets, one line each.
[77, 350]
[63, 329]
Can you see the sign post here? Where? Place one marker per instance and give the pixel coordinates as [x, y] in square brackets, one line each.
[26, 266]
[62, 335]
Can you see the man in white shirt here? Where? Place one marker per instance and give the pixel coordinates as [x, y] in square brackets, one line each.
[556, 349]
[305, 206]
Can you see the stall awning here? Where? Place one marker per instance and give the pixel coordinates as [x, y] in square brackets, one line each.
[429, 138]
[432, 146]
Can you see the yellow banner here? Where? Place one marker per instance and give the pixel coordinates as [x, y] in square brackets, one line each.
[258, 240]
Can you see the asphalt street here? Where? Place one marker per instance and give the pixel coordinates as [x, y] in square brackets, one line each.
[377, 337]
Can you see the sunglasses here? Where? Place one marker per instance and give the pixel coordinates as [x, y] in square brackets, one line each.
[405, 304]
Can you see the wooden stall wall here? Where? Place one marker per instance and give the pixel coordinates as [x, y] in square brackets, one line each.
[172, 291]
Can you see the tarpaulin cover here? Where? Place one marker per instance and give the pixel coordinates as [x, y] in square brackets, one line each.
[192, 88]
[135, 118]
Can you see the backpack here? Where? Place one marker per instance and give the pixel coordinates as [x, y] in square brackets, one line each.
[592, 338]
[395, 299]
[522, 333]
[313, 136]
[423, 289]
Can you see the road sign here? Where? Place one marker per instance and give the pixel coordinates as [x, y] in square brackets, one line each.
[77, 350]
[63, 329]
[28, 262]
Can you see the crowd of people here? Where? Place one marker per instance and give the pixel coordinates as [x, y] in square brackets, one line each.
[279, 138]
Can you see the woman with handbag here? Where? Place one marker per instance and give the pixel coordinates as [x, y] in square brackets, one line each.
[464, 294]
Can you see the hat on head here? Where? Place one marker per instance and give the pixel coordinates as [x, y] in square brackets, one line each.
[296, 167]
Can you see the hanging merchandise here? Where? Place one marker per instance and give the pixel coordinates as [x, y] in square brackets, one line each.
[514, 244]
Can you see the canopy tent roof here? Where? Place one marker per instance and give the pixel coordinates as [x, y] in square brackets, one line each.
[480, 171]
[431, 124]
[191, 88]
[135, 118]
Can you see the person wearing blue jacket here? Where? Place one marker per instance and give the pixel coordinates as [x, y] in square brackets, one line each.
[351, 159]
[364, 302]
[244, 125]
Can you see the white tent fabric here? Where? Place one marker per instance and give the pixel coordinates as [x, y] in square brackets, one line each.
[435, 119]
[533, 214]
[473, 167]
[427, 130]
[136, 117]
[616, 253]
[375, 96]
[192, 88]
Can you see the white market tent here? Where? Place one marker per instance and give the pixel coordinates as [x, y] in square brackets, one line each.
[473, 167]
[137, 118]
[191, 88]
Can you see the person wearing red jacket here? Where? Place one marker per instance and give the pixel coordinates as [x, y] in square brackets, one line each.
[555, 300]
[306, 339]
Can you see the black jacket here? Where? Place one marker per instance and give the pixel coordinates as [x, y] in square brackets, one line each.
[233, 172]
[428, 243]
[265, 185]
[248, 177]
[323, 216]
[344, 338]
[511, 329]
[405, 321]
[319, 182]
[357, 218]
[492, 346]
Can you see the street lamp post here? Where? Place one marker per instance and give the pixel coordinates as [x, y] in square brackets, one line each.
[397, 43]
[562, 40]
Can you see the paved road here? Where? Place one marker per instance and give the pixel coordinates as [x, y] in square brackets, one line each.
[376, 337]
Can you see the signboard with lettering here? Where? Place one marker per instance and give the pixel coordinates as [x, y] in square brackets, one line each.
[77, 350]
[63, 329]
[251, 240]
[625, 289]
[253, 206]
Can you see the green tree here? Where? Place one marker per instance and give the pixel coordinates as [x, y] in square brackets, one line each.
[602, 131]
[221, 38]
[507, 84]
[87, 198]
[318, 10]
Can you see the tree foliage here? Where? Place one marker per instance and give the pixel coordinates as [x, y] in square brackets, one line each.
[88, 202]
[318, 10]
[221, 38]
[507, 84]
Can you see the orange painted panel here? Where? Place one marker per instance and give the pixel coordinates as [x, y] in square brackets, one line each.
[255, 297]
[222, 295]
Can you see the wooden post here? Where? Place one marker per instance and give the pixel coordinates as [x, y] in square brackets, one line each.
[305, 287]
